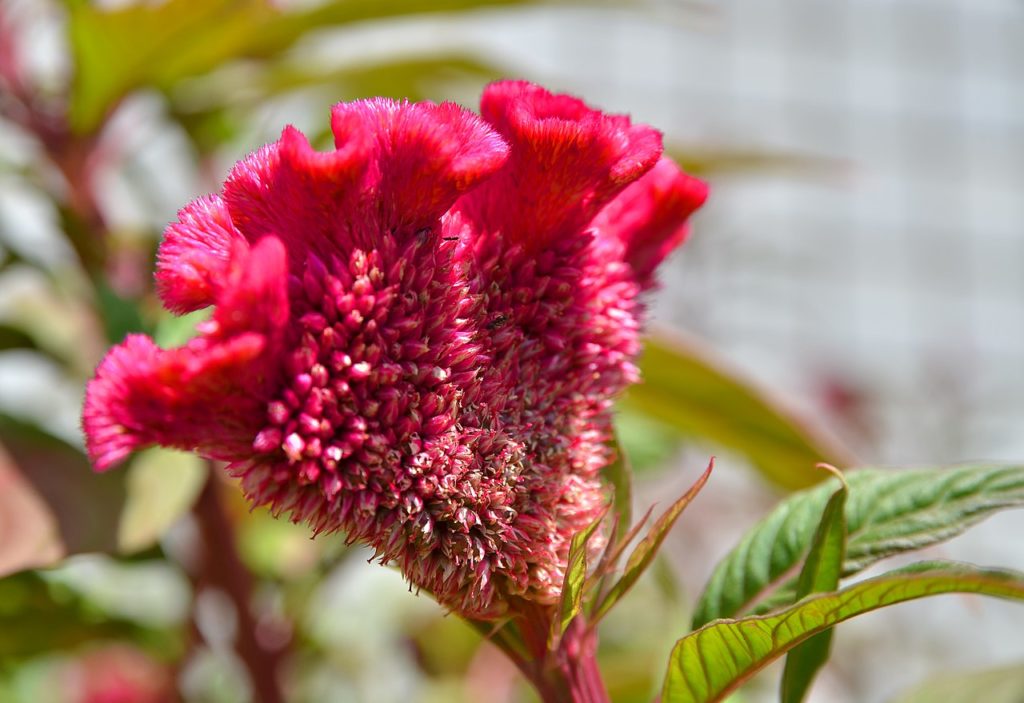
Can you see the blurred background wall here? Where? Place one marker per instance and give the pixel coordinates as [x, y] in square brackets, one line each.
[877, 264]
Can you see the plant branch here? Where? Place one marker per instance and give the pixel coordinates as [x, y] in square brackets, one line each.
[569, 672]
[221, 567]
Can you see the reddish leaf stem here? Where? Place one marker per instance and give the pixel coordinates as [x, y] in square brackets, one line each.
[575, 662]
[222, 568]
[567, 674]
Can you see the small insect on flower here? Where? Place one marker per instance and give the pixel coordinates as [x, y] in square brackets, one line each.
[498, 322]
[446, 404]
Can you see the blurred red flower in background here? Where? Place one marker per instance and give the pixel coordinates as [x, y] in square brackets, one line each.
[118, 674]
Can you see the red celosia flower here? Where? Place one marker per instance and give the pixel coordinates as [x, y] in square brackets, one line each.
[417, 336]
[117, 674]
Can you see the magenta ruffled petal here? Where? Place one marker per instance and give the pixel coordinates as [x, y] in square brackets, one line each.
[256, 297]
[396, 169]
[425, 156]
[649, 217]
[305, 197]
[143, 395]
[567, 160]
[209, 395]
[194, 254]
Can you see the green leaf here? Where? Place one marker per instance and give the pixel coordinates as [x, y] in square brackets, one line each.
[175, 330]
[887, 512]
[86, 506]
[820, 574]
[704, 161]
[28, 529]
[824, 564]
[162, 485]
[407, 77]
[185, 38]
[571, 600]
[120, 315]
[182, 38]
[644, 554]
[620, 475]
[64, 507]
[214, 108]
[38, 617]
[613, 552]
[649, 443]
[686, 387]
[1001, 685]
[709, 663]
[12, 337]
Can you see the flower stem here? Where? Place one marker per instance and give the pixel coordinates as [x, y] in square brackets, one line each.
[222, 568]
[569, 672]
[573, 666]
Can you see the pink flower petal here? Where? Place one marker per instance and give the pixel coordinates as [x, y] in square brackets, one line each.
[397, 167]
[194, 255]
[208, 395]
[567, 160]
[425, 156]
[305, 197]
[649, 217]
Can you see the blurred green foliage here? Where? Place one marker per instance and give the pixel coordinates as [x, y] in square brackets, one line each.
[185, 38]
[687, 388]
[38, 617]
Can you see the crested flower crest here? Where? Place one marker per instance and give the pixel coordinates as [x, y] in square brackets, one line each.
[416, 337]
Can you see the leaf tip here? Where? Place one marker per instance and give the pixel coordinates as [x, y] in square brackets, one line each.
[835, 472]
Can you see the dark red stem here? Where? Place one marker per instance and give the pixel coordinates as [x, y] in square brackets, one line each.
[73, 154]
[575, 664]
[568, 673]
[222, 568]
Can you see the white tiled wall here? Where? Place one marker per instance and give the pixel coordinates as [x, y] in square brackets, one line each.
[900, 268]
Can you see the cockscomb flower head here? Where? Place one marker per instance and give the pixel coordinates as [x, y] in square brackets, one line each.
[417, 336]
